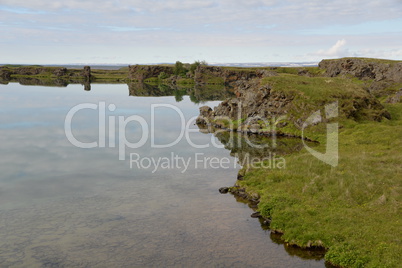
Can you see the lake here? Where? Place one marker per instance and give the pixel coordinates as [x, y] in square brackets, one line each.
[105, 178]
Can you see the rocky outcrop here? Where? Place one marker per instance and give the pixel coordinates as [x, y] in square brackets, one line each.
[380, 75]
[262, 108]
[213, 74]
[86, 73]
[203, 74]
[208, 74]
[362, 68]
[47, 76]
[45, 72]
[259, 105]
[254, 100]
[141, 72]
[31, 70]
[253, 103]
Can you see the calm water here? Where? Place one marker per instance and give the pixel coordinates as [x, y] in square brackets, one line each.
[64, 206]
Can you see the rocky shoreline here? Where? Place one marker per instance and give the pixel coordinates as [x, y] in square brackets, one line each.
[258, 100]
[381, 77]
[252, 200]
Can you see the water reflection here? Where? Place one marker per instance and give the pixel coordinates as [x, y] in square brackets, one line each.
[197, 93]
[65, 206]
[256, 146]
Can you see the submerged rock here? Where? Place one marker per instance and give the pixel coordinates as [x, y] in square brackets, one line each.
[224, 190]
[256, 215]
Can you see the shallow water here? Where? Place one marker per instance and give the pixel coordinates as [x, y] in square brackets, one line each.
[63, 206]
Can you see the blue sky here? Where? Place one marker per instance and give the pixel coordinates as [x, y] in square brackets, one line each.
[226, 31]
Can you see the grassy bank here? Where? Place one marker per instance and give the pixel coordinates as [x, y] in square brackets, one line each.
[353, 209]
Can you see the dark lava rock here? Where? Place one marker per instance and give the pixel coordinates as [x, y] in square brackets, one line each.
[224, 190]
[363, 69]
[87, 72]
[256, 215]
[140, 73]
[267, 221]
[60, 71]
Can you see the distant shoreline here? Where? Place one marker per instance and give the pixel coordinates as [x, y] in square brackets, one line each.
[116, 66]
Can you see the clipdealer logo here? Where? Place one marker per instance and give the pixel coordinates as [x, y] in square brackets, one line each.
[111, 125]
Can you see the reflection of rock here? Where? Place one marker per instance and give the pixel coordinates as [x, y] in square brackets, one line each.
[197, 93]
[257, 147]
[312, 253]
[87, 86]
[43, 82]
[210, 92]
[145, 90]
[250, 149]
[5, 73]
[4, 81]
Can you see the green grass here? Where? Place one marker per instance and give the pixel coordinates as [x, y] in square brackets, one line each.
[105, 75]
[152, 80]
[317, 89]
[185, 81]
[213, 80]
[353, 209]
[312, 93]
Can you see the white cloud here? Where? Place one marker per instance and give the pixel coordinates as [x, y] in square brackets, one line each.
[336, 50]
[267, 24]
